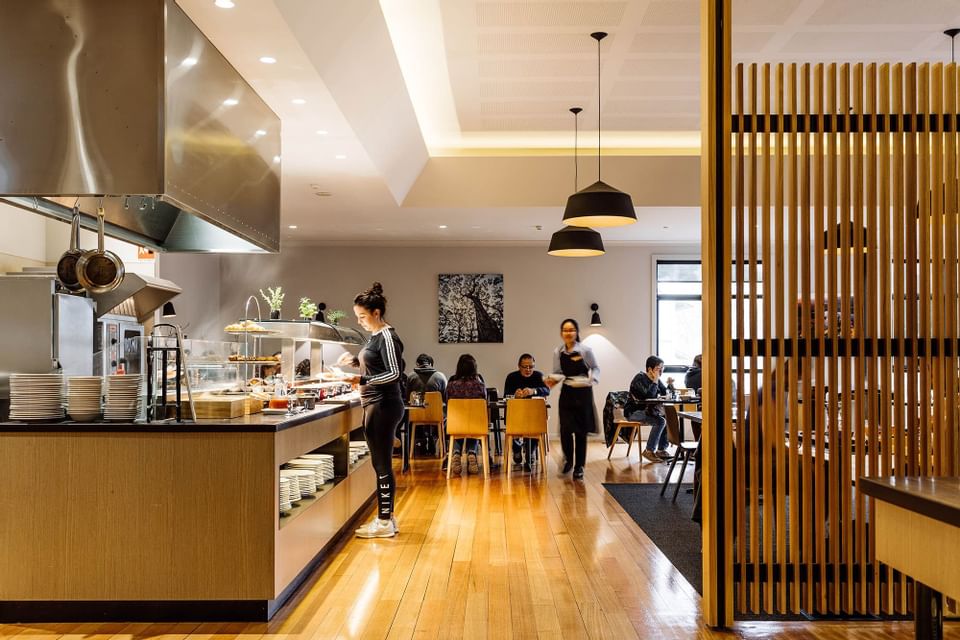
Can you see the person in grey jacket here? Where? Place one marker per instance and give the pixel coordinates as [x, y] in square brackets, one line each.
[646, 385]
[423, 379]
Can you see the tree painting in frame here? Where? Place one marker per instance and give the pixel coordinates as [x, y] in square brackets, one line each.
[471, 307]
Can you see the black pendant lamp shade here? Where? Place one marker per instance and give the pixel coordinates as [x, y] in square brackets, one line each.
[576, 242]
[599, 205]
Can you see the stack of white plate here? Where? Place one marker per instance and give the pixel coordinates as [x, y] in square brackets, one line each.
[285, 505]
[326, 465]
[36, 396]
[123, 398]
[84, 395]
[316, 467]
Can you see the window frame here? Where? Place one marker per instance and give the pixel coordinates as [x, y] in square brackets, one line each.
[657, 260]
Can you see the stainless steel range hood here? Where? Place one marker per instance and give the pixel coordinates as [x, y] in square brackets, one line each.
[129, 100]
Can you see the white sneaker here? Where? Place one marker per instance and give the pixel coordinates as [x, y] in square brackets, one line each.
[396, 527]
[377, 528]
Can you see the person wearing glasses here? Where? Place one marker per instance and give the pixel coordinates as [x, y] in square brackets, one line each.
[646, 385]
[525, 382]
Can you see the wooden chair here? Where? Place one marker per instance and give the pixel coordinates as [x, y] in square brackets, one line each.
[620, 422]
[527, 418]
[431, 415]
[685, 448]
[467, 418]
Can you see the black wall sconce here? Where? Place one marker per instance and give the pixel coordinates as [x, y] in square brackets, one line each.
[595, 318]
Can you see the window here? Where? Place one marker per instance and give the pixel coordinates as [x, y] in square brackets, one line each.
[679, 317]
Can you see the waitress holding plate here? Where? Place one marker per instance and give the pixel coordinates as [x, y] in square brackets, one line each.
[575, 365]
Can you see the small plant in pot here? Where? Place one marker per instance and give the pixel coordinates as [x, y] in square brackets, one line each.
[308, 309]
[275, 300]
[334, 316]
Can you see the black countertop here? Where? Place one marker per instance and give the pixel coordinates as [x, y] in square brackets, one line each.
[256, 423]
[937, 498]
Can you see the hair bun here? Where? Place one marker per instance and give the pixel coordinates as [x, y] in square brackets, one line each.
[376, 289]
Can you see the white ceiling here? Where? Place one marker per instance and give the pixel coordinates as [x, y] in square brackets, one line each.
[455, 112]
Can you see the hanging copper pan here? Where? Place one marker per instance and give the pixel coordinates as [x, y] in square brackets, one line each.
[100, 271]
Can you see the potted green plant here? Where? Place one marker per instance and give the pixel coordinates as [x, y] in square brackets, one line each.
[308, 309]
[275, 300]
[334, 316]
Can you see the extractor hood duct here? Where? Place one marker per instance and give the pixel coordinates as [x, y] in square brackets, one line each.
[128, 104]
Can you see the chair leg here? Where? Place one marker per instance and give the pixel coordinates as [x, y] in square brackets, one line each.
[616, 434]
[686, 458]
[633, 436]
[485, 449]
[542, 440]
[666, 481]
[440, 447]
[506, 461]
[450, 458]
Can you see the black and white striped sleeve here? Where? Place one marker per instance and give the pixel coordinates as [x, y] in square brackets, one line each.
[390, 355]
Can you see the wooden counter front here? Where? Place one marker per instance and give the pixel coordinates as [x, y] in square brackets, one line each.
[165, 516]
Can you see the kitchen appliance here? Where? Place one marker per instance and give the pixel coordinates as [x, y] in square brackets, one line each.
[117, 340]
[42, 331]
[128, 105]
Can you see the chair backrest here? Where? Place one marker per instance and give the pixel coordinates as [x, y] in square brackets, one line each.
[432, 412]
[526, 417]
[673, 424]
[467, 417]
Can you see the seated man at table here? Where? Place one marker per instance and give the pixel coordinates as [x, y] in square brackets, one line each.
[694, 377]
[525, 382]
[646, 385]
[423, 379]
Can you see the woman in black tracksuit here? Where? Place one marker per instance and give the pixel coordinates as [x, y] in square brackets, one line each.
[380, 376]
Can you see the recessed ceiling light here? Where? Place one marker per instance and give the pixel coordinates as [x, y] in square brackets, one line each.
[298, 101]
[476, 226]
[276, 158]
[292, 226]
[322, 132]
[225, 4]
[379, 228]
[340, 157]
[260, 132]
[268, 59]
[443, 226]
[229, 102]
[188, 62]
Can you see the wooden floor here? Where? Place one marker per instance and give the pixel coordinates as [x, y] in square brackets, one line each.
[529, 558]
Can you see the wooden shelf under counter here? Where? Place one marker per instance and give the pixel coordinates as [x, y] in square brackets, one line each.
[167, 522]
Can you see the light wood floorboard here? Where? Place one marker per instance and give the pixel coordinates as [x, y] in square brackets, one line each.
[532, 557]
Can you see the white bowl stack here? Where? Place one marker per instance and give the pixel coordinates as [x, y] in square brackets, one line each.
[306, 483]
[123, 398]
[36, 396]
[84, 395]
[325, 467]
[358, 448]
[285, 489]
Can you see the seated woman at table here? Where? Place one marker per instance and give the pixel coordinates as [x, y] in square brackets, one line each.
[646, 385]
[466, 383]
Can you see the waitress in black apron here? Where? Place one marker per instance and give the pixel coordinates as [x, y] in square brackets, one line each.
[577, 365]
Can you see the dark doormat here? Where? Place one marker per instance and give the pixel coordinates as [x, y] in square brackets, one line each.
[666, 523]
[669, 526]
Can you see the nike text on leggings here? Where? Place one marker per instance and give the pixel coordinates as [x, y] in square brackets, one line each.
[380, 421]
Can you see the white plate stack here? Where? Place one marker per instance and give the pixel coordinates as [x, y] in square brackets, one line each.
[285, 489]
[84, 395]
[36, 396]
[313, 465]
[123, 398]
[326, 466]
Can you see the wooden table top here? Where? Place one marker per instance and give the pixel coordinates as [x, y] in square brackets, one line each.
[937, 498]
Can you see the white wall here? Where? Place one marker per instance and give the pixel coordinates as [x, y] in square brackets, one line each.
[539, 291]
[22, 239]
[198, 307]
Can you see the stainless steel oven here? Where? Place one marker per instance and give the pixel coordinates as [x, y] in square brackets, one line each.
[117, 339]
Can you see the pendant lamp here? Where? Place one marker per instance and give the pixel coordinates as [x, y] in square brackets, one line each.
[599, 205]
[575, 242]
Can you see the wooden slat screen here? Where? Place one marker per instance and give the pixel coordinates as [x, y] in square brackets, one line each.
[844, 320]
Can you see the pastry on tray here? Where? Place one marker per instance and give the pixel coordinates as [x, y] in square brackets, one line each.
[245, 326]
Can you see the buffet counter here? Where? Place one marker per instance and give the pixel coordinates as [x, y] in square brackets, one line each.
[108, 521]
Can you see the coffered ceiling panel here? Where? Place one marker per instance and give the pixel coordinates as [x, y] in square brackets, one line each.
[587, 15]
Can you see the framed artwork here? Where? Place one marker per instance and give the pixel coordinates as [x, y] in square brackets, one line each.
[471, 307]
